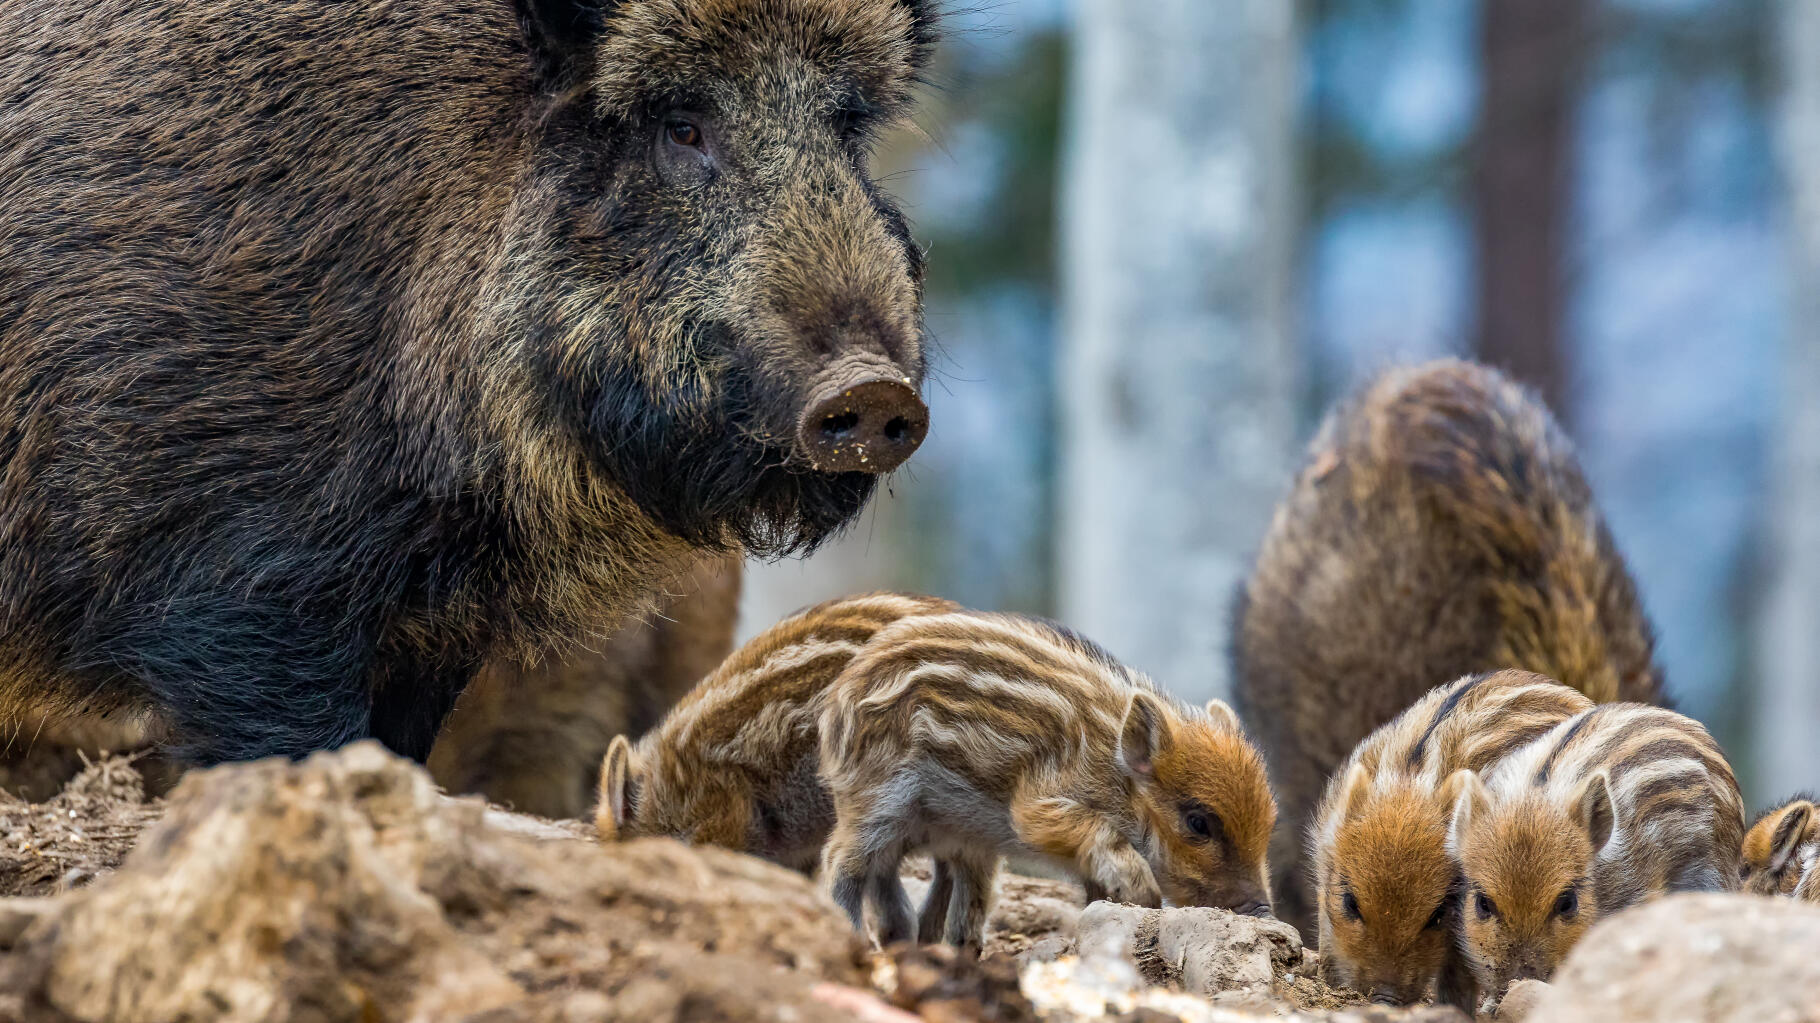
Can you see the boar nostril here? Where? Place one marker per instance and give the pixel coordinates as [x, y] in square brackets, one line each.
[837, 427]
[862, 422]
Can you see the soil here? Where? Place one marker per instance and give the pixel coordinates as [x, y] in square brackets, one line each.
[239, 897]
[80, 833]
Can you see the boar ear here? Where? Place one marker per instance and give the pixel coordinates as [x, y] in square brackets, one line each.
[1598, 813]
[1465, 793]
[560, 34]
[618, 793]
[925, 16]
[1791, 828]
[1223, 715]
[1145, 735]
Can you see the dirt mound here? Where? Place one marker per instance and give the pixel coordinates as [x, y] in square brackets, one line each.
[347, 888]
[1693, 957]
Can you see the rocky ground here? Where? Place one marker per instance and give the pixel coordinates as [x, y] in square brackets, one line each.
[348, 888]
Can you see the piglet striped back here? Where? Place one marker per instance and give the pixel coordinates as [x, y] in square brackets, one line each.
[1469, 724]
[1678, 818]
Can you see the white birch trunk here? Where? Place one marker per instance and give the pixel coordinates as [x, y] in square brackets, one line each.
[1177, 369]
[1788, 706]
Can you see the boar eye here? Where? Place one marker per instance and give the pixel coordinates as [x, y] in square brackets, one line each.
[1568, 904]
[1438, 917]
[1485, 907]
[684, 153]
[683, 132]
[1350, 906]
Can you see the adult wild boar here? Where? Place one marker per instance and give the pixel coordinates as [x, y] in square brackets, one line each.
[343, 346]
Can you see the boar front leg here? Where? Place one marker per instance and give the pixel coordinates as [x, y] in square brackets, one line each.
[1107, 863]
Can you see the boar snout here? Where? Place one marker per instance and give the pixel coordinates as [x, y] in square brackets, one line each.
[861, 417]
[1254, 907]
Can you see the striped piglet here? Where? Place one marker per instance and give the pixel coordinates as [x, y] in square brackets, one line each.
[1780, 851]
[970, 736]
[1386, 889]
[734, 762]
[1621, 804]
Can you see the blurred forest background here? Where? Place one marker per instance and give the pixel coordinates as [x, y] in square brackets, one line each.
[1163, 236]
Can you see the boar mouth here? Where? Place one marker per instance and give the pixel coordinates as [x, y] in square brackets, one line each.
[709, 469]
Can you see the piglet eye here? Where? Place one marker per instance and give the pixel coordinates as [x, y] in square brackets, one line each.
[1744, 872]
[1350, 906]
[1197, 824]
[1437, 918]
[1568, 904]
[1485, 907]
[683, 133]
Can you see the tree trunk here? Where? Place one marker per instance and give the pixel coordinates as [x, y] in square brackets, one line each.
[1177, 369]
[1532, 55]
[1788, 704]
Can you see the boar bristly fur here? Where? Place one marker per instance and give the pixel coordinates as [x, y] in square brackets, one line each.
[1440, 526]
[530, 734]
[344, 347]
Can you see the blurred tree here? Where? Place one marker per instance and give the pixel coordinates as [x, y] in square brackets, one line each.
[1788, 704]
[1532, 53]
[1177, 375]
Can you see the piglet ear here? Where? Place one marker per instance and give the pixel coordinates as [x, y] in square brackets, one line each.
[1598, 813]
[1465, 794]
[1222, 715]
[1791, 828]
[618, 792]
[1145, 735]
[1354, 789]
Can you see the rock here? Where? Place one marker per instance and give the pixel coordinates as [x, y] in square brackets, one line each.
[1693, 959]
[1079, 989]
[942, 985]
[1031, 910]
[347, 888]
[1520, 1001]
[1201, 951]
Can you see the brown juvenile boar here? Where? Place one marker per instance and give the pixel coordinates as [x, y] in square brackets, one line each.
[345, 348]
[735, 763]
[531, 735]
[970, 736]
[1386, 886]
[1780, 849]
[1440, 527]
[1618, 805]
